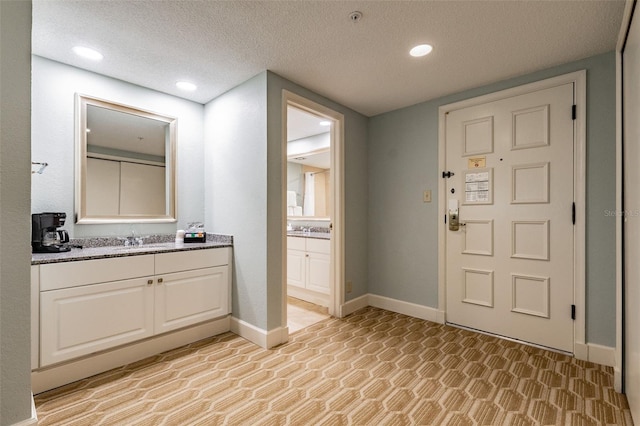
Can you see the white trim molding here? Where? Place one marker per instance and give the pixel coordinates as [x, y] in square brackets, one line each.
[393, 305]
[622, 37]
[353, 305]
[336, 179]
[579, 79]
[264, 339]
[407, 308]
[603, 355]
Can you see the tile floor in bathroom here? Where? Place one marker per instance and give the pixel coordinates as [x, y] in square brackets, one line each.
[301, 314]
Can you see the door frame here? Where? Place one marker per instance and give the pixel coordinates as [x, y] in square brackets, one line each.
[619, 371]
[337, 269]
[579, 78]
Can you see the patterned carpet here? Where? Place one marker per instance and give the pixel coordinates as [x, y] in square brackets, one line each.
[371, 368]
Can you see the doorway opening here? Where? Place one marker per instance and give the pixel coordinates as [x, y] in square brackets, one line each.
[313, 217]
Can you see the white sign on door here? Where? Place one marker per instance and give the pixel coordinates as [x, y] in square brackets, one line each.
[478, 186]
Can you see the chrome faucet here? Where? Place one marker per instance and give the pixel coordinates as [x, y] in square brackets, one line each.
[132, 240]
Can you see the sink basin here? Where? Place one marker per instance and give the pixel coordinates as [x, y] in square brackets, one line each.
[142, 247]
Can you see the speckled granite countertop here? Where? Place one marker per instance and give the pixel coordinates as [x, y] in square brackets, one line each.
[312, 234]
[98, 248]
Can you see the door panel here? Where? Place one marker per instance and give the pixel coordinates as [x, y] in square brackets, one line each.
[509, 267]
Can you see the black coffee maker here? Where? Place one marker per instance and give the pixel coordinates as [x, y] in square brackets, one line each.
[45, 235]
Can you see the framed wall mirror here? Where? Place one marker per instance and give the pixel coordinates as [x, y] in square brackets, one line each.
[125, 163]
[308, 165]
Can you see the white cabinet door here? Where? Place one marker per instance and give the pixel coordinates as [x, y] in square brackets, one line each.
[82, 320]
[186, 298]
[296, 268]
[318, 272]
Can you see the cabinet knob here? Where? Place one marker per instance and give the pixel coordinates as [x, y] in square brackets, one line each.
[149, 282]
[159, 280]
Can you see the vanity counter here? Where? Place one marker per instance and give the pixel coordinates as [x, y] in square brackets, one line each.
[317, 235]
[105, 252]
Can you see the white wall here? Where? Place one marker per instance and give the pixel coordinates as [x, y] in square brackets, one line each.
[15, 75]
[53, 141]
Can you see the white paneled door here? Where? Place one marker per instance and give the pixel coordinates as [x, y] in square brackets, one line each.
[509, 262]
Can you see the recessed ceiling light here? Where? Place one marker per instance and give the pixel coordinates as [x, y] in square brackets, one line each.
[325, 123]
[421, 50]
[88, 53]
[185, 85]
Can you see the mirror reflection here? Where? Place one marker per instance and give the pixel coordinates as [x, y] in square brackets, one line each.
[125, 163]
[309, 165]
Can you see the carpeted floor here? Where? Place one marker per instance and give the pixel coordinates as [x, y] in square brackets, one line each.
[371, 368]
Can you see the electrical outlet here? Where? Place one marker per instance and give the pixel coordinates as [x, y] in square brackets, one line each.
[426, 196]
[349, 286]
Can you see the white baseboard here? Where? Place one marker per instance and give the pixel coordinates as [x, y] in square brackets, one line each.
[354, 305]
[406, 308]
[617, 379]
[31, 421]
[277, 337]
[57, 375]
[264, 339]
[603, 355]
[581, 351]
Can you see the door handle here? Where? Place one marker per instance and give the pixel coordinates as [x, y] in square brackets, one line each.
[454, 222]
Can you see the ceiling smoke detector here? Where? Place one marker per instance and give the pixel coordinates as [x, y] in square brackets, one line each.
[355, 16]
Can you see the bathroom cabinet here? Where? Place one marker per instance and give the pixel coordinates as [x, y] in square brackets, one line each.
[308, 269]
[135, 306]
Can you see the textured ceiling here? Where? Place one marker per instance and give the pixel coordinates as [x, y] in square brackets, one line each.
[363, 65]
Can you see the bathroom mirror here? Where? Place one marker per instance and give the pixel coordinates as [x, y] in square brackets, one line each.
[308, 165]
[308, 188]
[125, 163]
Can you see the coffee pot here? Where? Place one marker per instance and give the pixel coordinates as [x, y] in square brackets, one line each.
[45, 235]
[55, 237]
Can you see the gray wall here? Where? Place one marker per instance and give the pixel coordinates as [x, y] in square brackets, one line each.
[403, 161]
[355, 191]
[53, 141]
[236, 189]
[15, 123]
[243, 191]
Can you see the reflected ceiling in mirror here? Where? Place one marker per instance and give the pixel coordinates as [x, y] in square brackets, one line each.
[125, 164]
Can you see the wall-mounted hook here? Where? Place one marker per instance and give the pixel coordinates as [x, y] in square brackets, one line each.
[41, 169]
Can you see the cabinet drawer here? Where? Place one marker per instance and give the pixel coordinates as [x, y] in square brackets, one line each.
[82, 320]
[55, 276]
[318, 246]
[296, 243]
[191, 259]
